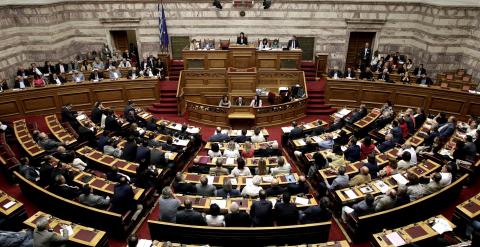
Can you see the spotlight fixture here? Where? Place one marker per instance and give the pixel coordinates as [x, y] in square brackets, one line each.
[217, 4]
[267, 4]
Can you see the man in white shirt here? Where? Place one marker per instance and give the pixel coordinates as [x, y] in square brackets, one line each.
[407, 147]
[282, 167]
[77, 76]
[114, 73]
[257, 136]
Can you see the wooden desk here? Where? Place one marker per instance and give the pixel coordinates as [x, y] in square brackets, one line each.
[85, 121]
[102, 185]
[306, 127]
[466, 212]
[50, 99]
[58, 131]
[368, 119]
[25, 139]
[340, 93]
[241, 181]
[82, 236]
[256, 146]
[231, 163]
[12, 211]
[412, 233]
[108, 161]
[178, 126]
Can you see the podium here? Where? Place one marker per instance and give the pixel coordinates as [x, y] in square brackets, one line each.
[242, 82]
[242, 56]
[241, 117]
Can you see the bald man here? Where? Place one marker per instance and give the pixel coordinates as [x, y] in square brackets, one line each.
[236, 217]
[387, 144]
[384, 202]
[42, 237]
[361, 178]
[274, 189]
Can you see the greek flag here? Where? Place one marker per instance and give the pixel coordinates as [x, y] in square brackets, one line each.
[162, 26]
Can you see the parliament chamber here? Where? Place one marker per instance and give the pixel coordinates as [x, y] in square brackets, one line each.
[233, 123]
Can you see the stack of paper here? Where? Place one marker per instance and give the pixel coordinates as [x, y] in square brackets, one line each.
[366, 189]
[395, 239]
[301, 201]
[287, 129]
[144, 243]
[9, 204]
[400, 179]
[210, 179]
[350, 194]
[383, 187]
[441, 226]
[317, 139]
[193, 130]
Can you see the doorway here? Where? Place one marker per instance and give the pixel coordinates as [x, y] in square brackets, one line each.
[356, 42]
[124, 39]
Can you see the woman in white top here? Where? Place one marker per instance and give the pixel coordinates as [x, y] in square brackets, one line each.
[214, 151]
[231, 151]
[253, 189]
[215, 218]
[256, 102]
[264, 45]
[241, 169]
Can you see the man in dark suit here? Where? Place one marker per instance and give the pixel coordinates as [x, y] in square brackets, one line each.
[419, 71]
[143, 153]
[48, 68]
[188, 216]
[23, 72]
[28, 171]
[242, 40]
[350, 73]
[286, 213]
[293, 43]
[261, 211]
[335, 73]
[366, 74]
[97, 112]
[88, 133]
[387, 144]
[64, 190]
[122, 200]
[300, 187]
[129, 152]
[69, 115]
[396, 132]
[218, 136]
[358, 114]
[365, 55]
[182, 187]
[20, 82]
[296, 132]
[242, 138]
[424, 80]
[236, 217]
[111, 123]
[61, 68]
[448, 128]
[129, 107]
[95, 76]
[274, 189]
[352, 153]
[384, 76]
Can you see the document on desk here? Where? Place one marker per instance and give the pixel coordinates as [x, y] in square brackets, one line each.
[350, 194]
[317, 139]
[287, 129]
[301, 142]
[383, 187]
[193, 130]
[144, 243]
[395, 239]
[182, 142]
[366, 189]
[230, 161]
[9, 205]
[267, 178]
[301, 201]
[400, 179]
[441, 226]
[221, 203]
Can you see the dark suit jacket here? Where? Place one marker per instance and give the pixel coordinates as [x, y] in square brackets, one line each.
[397, 135]
[127, 109]
[262, 213]
[111, 124]
[286, 214]
[190, 217]
[447, 131]
[86, 134]
[143, 153]
[96, 115]
[275, 191]
[386, 145]
[49, 69]
[366, 75]
[23, 73]
[295, 133]
[352, 74]
[315, 214]
[184, 188]
[291, 42]
[241, 139]
[68, 115]
[57, 68]
[352, 153]
[423, 71]
[92, 76]
[297, 188]
[219, 138]
[332, 73]
[65, 191]
[240, 219]
[419, 120]
[129, 151]
[17, 84]
[362, 56]
[242, 42]
[122, 199]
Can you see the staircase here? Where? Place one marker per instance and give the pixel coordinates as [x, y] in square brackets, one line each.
[168, 99]
[175, 67]
[309, 68]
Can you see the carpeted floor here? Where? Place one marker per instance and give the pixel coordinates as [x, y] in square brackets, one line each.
[275, 134]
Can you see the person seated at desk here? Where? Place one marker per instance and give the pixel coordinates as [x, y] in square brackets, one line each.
[194, 45]
[224, 102]
[282, 167]
[276, 44]
[264, 45]
[335, 73]
[114, 73]
[124, 64]
[241, 169]
[77, 76]
[168, 205]
[189, 216]
[286, 213]
[384, 76]
[182, 187]
[43, 236]
[366, 74]
[58, 80]
[133, 74]
[406, 77]
[96, 76]
[205, 189]
[61, 188]
[317, 213]
[38, 81]
[239, 101]
[88, 198]
[257, 136]
[256, 101]
[22, 72]
[218, 170]
[242, 40]
[293, 43]
[123, 199]
[261, 210]
[419, 71]
[227, 190]
[253, 190]
[219, 136]
[350, 74]
[424, 80]
[214, 218]
[361, 208]
[21, 83]
[358, 114]
[236, 217]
